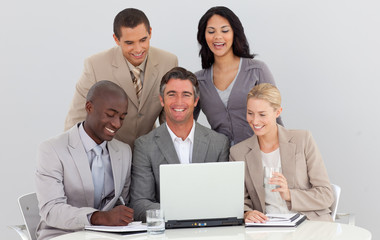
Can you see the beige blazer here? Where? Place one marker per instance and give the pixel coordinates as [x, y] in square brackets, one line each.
[303, 167]
[64, 185]
[111, 65]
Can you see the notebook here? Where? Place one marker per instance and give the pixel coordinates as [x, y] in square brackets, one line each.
[280, 220]
[202, 194]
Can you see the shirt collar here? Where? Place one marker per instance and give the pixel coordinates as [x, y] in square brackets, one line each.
[174, 137]
[141, 66]
[88, 142]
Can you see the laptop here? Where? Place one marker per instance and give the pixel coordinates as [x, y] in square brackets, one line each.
[202, 194]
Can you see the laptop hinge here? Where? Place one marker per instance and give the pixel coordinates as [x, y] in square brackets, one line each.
[193, 223]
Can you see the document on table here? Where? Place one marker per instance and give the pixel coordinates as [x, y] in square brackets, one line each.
[132, 227]
[280, 220]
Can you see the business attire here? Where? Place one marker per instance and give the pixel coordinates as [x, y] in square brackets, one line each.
[157, 148]
[64, 183]
[302, 166]
[111, 65]
[231, 119]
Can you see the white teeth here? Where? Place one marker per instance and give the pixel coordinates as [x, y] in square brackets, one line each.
[179, 110]
[110, 130]
[137, 55]
[258, 127]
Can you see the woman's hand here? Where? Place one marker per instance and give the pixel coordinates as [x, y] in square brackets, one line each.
[280, 180]
[255, 216]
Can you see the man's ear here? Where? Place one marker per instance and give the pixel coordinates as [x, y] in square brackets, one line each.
[89, 107]
[196, 102]
[161, 101]
[116, 39]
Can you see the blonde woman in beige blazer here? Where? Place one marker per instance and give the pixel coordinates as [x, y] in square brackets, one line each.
[303, 184]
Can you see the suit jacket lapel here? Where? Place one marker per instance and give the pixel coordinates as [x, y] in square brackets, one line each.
[115, 157]
[151, 73]
[165, 144]
[123, 76]
[254, 163]
[201, 142]
[80, 159]
[288, 154]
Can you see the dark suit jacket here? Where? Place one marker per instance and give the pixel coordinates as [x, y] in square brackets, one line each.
[157, 148]
[302, 166]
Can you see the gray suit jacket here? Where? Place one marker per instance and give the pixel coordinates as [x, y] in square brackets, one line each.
[231, 120]
[110, 65]
[302, 166]
[157, 148]
[64, 185]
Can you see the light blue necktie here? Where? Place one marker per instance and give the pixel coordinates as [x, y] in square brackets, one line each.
[97, 170]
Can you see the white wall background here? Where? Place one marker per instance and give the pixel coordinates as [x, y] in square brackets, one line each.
[324, 56]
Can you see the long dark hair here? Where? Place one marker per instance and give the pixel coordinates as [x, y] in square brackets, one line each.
[240, 44]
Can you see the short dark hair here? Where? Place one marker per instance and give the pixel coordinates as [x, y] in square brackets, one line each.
[240, 44]
[129, 17]
[102, 87]
[179, 73]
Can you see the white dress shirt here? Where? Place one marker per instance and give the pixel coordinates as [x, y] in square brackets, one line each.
[184, 148]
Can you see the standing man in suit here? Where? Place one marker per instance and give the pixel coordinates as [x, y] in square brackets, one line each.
[134, 66]
[83, 175]
[180, 141]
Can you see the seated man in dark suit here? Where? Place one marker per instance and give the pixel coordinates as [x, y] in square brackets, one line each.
[180, 140]
[83, 175]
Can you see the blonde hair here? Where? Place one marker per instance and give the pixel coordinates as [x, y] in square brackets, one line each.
[268, 92]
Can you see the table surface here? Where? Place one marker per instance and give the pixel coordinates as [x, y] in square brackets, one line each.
[307, 230]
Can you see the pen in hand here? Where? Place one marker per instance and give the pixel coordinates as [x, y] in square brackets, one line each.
[121, 200]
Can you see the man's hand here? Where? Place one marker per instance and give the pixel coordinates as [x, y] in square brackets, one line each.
[118, 216]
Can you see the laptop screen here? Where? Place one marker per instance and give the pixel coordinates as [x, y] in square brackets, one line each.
[202, 190]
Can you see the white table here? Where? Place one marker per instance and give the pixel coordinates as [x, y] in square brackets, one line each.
[309, 230]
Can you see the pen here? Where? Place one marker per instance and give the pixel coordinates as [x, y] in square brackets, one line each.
[271, 217]
[121, 200]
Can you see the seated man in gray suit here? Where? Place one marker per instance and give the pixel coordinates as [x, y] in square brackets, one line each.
[83, 175]
[180, 140]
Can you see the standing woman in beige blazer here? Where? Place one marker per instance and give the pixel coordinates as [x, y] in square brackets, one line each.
[302, 186]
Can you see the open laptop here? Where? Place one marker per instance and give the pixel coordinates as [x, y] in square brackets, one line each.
[202, 194]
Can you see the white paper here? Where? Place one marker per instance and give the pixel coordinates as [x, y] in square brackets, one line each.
[132, 227]
[283, 220]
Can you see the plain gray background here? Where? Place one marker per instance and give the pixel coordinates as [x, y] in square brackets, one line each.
[323, 54]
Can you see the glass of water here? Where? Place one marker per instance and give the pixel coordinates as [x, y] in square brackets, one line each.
[268, 174]
[155, 221]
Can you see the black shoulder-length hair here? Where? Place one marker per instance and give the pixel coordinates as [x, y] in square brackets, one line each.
[240, 44]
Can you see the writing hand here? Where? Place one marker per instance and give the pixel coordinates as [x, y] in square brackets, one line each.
[118, 216]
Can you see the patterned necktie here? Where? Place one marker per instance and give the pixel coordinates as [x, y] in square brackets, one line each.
[97, 170]
[137, 82]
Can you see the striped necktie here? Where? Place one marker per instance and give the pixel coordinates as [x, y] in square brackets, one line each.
[137, 82]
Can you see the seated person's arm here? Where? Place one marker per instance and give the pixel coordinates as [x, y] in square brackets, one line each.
[54, 209]
[320, 195]
[143, 188]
